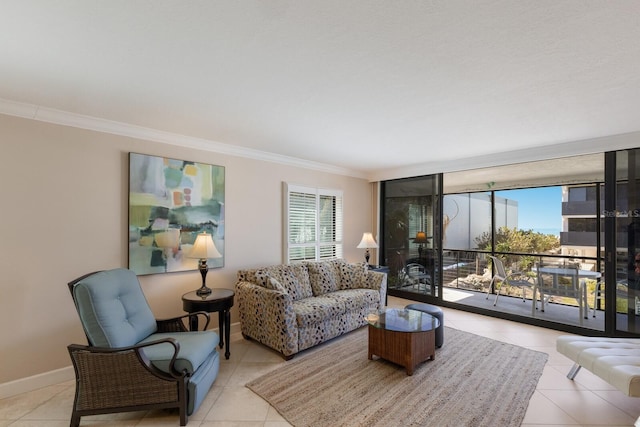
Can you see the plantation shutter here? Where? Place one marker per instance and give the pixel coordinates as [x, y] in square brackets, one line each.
[313, 223]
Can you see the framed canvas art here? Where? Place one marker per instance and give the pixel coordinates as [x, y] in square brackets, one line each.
[170, 202]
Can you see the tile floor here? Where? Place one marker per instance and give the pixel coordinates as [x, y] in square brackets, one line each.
[557, 401]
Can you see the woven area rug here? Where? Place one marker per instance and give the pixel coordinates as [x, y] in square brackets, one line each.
[473, 381]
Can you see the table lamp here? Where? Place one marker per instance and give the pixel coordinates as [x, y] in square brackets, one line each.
[421, 238]
[367, 242]
[203, 249]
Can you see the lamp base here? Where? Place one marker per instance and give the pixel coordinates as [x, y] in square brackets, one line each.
[203, 291]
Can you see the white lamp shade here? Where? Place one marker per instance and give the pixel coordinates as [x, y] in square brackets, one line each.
[204, 248]
[367, 242]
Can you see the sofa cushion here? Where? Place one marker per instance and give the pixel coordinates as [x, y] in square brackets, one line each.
[337, 264]
[195, 348]
[286, 276]
[352, 276]
[323, 277]
[301, 272]
[354, 299]
[314, 310]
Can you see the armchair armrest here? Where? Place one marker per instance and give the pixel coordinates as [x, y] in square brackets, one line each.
[111, 378]
[107, 353]
[176, 324]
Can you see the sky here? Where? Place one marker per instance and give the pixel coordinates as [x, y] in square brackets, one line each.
[539, 209]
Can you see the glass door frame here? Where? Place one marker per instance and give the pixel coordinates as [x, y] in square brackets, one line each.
[621, 215]
[433, 250]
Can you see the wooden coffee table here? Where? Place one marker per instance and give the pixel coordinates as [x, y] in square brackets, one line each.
[402, 336]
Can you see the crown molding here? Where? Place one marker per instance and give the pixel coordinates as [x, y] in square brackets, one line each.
[565, 149]
[65, 118]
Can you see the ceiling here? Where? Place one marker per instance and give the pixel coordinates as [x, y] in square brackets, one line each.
[363, 85]
[562, 171]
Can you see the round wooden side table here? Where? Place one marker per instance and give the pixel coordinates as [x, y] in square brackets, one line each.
[220, 300]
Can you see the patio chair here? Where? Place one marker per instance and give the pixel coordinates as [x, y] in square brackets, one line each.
[561, 281]
[411, 274]
[515, 278]
[133, 361]
[416, 274]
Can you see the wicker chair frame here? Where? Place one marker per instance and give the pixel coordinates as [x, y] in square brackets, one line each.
[110, 380]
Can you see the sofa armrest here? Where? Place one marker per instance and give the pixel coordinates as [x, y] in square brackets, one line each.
[267, 316]
[378, 281]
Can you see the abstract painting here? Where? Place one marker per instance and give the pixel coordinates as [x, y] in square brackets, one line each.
[170, 202]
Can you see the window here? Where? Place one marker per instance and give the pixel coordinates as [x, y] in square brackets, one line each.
[313, 223]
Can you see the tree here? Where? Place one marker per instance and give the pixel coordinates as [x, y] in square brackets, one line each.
[518, 241]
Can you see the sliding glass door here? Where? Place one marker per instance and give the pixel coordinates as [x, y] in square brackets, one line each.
[411, 230]
[579, 216]
[626, 217]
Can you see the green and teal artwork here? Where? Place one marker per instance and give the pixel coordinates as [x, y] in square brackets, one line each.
[170, 202]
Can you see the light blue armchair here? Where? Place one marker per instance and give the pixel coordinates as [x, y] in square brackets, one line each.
[133, 361]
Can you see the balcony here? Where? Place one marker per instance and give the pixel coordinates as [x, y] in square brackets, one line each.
[579, 238]
[588, 238]
[579, 208]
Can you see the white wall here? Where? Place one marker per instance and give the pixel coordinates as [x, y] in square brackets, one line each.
[468, 216]
[64, 213]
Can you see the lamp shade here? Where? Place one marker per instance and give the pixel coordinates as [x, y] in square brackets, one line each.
[421, 237]
[204, 248]
[367, 241]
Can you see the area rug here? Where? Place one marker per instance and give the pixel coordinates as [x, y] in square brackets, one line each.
[473, 381]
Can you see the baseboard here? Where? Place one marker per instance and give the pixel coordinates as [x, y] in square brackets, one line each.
[23, 385]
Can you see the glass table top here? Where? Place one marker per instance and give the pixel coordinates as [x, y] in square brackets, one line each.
[402, 320]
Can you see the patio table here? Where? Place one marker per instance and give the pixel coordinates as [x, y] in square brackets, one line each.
[578, 288]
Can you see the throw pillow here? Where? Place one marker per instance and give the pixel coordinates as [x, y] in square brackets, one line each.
[322, 277]
[262, 277]
[276, 286]
[352, 275]
[301, 273]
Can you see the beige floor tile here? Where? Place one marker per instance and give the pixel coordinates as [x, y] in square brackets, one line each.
[544, 411]
[249, 371]
[231, 424]
[214, 393]
[557, 401]
[46, 423]
[58, 407]
[530, 339]
[552, 379]
[168, 420]
[592, 381]
[588, 408]
[238, 404]
[15, 407]
[630, 405]
[274, 415]
[551, 425]
[262, 354]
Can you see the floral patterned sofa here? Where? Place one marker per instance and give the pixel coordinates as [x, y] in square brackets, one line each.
[296, 306]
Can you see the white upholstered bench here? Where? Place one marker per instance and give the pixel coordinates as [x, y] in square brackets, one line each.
[615, 360]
